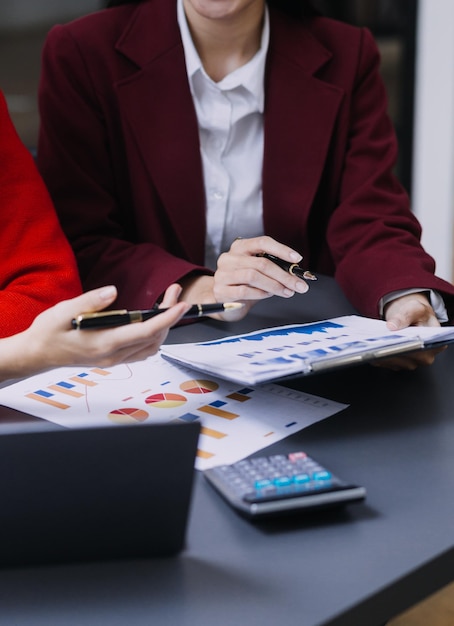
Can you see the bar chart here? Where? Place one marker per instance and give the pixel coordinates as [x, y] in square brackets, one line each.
[235, 420]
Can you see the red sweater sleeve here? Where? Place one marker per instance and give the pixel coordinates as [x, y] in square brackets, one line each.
[37, 266]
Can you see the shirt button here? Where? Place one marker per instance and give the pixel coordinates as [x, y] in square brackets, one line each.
[218, 195]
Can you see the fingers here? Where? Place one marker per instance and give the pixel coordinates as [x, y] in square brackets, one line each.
[242, 275]
[122, 344]
[410, 310]
[165, 320]
[130, 350]
[62, 313]
[252, 278]
[146, 334]
[258, 245]
[94, 300]
[171, 296]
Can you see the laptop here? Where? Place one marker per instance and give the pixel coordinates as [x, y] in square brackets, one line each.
[96, 493]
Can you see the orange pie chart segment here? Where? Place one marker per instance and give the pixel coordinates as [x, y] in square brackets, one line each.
[165, 400]
[199, 386]
[128, 416]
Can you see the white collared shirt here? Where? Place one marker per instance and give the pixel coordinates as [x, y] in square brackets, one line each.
[230, 117]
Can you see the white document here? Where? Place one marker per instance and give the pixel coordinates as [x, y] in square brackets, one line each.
[236, 420]
[273, 353]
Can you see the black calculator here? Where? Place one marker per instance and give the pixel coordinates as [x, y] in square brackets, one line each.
[281, 484]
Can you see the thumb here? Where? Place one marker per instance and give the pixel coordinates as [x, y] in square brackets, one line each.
[94, 300]
[395, 323]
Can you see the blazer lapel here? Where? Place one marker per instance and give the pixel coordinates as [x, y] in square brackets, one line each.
[157, 107]
[300, 114]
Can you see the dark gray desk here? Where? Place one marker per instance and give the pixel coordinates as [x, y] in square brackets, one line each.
[358, 567]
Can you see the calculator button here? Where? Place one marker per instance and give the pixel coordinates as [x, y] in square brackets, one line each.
[322, 475]
[282, 481]
[301, 479]
[259, 462]
[265, 492]
[297, 456]
[261, 484]
[261, 494]
[277, 457]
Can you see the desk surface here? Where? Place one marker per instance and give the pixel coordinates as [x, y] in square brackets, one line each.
[355, 567]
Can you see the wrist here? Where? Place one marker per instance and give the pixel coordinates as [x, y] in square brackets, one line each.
[16, 357]
[197, 289]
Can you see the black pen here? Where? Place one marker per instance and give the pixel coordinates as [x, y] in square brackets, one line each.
[291, 268]
[109, 319]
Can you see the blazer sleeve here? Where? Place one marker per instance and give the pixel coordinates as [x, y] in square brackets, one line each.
[82, 158]
[37, 264]
[373, 236]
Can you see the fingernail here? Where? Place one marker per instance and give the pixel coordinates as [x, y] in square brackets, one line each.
[288, 293]
[108, 292]
[392, 325]
[296, 257]
[301, 287]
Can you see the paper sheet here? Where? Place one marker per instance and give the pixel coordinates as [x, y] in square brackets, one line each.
[236, 420]
[272, 353]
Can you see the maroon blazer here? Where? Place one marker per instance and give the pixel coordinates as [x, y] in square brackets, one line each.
[119, 151]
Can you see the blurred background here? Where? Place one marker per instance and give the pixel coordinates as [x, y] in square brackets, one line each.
[23, 27]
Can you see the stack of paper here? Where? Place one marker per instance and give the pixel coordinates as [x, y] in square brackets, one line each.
[284, 351]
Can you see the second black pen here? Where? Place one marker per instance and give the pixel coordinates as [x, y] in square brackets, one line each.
[110, 319]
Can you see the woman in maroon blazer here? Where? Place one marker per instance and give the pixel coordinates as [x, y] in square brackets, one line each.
[37, 270]
[170, 128]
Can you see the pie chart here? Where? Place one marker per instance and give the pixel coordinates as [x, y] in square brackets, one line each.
[165, 400]
[127, 416]
[199, 386]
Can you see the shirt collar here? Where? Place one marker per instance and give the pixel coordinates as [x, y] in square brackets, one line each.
[250, 76]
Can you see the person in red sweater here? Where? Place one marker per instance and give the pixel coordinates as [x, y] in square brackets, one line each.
[37, 264]
[38, 270]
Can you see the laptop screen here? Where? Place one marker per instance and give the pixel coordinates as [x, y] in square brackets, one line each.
[98, 493]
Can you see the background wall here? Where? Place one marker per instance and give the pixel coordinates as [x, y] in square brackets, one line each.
[23, 27]
[16, 14]
[433, 163]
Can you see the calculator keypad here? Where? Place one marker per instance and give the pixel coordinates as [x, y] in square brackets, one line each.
[281, 483]
[277, 476]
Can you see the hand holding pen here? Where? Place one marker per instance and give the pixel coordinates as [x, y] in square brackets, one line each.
[258, 268]
[51, 342]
